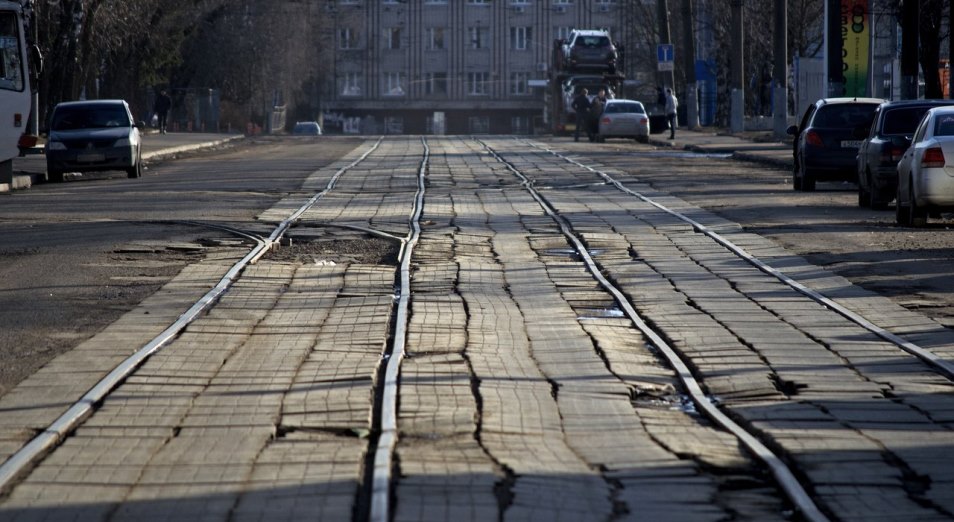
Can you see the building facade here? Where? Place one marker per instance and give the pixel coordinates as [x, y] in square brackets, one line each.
[444, 66]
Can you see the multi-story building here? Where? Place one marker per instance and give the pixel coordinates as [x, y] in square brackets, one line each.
[454, 66]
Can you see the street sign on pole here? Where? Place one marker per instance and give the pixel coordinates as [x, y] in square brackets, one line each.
[665, 57]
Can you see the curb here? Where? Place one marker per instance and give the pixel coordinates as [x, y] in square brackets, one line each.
[25, 180]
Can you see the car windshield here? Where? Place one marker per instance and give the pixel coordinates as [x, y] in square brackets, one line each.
[625, 107]
[591, 41]
[89, 117]
[944, 125]
[844, 115]
[902, 121]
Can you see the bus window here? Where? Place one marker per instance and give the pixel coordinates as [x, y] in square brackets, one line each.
[11, 70]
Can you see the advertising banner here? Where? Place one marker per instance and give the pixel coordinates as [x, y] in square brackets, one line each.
[855, 38]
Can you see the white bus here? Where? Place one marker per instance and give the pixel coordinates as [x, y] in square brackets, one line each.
[15, 91]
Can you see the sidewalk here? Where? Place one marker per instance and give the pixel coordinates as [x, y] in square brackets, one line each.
[755, 147]
[31, 169]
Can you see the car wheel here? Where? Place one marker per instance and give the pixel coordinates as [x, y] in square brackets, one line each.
[797, 176]
[877, 199]
[54, 176]
[864, 196]
[642, 139]
[901, 215]
[917, 216]
[805, 180]
[135, 171]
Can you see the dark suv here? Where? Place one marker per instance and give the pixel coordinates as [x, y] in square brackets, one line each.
[590, 50]
[825, 144]
[884, 144]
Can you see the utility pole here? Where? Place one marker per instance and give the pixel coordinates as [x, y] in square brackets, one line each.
[737, 77]
[780, 72]
[666, 78]
[909, 50]
[689, 49]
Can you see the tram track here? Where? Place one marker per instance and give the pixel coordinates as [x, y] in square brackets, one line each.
[382, 472]
[784, 476]
[930, 358]
[58, 430]
[893, 390]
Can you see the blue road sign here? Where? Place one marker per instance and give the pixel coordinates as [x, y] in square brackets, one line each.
[665, 56]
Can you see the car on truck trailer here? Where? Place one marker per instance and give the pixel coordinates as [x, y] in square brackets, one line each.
[587, 59]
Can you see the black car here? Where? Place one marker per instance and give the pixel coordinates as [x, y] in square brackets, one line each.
[825, 144]
[94, 135]
[884, 144]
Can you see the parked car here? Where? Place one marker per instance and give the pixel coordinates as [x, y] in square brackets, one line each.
[925, 176]
[306, 128]
[825, 142]
[95, 135]
[624, 119]
[887, 139]
[590, 50]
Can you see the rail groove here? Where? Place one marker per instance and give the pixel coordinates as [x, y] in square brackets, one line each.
[384, 453]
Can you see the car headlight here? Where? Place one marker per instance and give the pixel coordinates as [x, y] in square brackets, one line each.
[55, 145]
[122, 142]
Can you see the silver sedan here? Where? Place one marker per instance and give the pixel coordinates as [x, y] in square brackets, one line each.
[925, 172]
[624, 119]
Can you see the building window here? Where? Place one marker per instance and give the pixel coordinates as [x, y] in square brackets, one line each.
[351, 84]
[478, 83]
[478, 125]
[435, 2]
[519, 83]
[347, 38]
[478, 2]
[434, 39]
[520, 38]
[562, 32]
[394, 84]
[479, 37]
[562, 2]
[520, 124]
[435, 84]
[392, 38]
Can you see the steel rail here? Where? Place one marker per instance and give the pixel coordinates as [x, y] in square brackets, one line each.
[930, 358]
[783, 475]
[50, 437]
[387, 440]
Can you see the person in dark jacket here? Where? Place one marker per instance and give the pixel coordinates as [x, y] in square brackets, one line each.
[581, 104]
[161, 109]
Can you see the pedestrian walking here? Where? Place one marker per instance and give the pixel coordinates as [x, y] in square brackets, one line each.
[672, 103]
[581, 105]
[161, 109]
[596, 110]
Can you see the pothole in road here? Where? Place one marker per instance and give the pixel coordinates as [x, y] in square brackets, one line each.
[370, 250]
[599, 313]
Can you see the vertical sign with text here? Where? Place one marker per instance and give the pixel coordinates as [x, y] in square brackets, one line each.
[855, 38]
